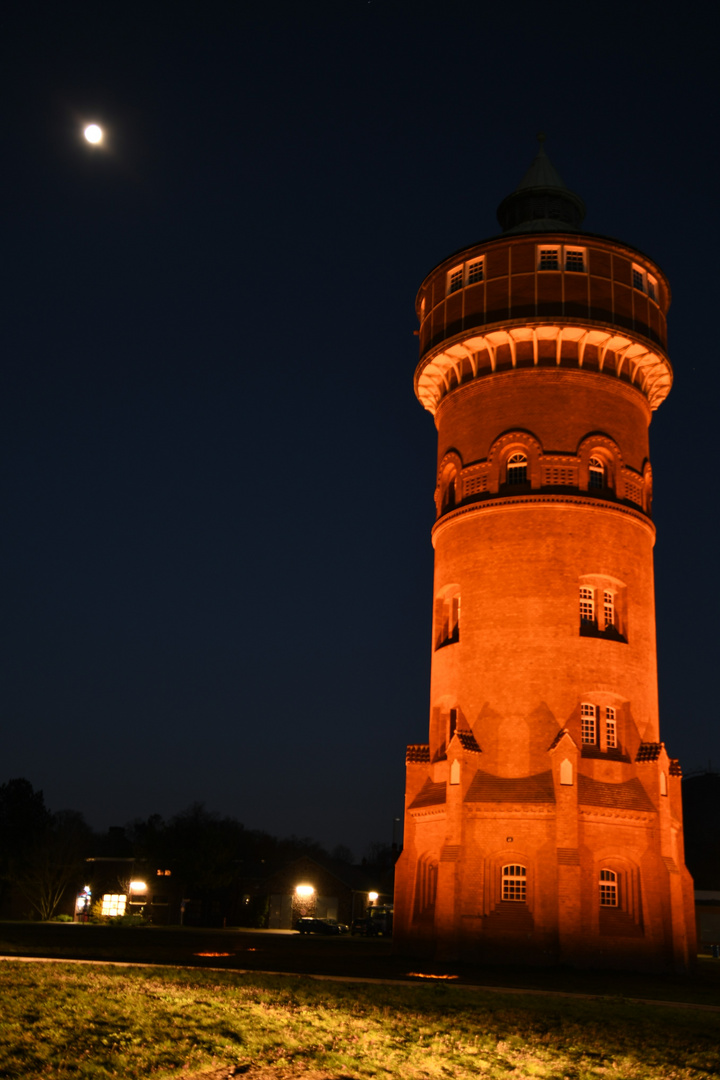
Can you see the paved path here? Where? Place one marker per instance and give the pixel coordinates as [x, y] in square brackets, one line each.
[409, 981]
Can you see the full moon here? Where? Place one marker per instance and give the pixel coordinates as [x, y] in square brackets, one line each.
[93, 133]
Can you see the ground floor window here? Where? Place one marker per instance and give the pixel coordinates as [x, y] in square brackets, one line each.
[608, 889]
[426, 886]
[514, 883]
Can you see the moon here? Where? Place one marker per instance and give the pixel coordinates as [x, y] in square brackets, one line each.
[93, 133]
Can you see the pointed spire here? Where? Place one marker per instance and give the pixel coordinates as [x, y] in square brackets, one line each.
[541, 202]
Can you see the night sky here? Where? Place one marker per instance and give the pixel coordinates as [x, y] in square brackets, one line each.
[217, 484]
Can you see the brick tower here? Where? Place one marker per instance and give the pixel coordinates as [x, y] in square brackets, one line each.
[543, 817]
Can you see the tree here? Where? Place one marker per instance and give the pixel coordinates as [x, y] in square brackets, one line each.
[54, 862]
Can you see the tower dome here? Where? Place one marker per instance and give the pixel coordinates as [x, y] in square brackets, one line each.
[541, 202]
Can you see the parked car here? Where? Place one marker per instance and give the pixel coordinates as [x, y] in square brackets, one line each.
[378, 922]
[308, 925]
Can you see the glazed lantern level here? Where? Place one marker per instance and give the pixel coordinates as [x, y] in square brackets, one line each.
[543, 815]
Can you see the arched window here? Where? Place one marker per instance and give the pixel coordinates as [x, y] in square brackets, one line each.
[608, 608]
[610, 727]
[587, 604]
[447, 617]
[517, 469]
[588, 729]
[608, 889]
[426, 886]
[514, 883]
[603, 607]
[596, 478]
[452, 723]
[449, 495]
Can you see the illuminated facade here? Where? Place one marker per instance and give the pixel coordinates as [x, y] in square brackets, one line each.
[543, 817]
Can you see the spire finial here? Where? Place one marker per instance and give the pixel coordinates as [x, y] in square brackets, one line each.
[541, 137]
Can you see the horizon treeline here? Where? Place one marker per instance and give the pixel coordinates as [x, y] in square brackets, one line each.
[43, 853]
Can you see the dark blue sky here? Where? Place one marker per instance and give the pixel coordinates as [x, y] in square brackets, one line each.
[217, 483]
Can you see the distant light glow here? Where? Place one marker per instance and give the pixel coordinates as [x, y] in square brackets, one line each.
[113, 904]
[93, 133]
[372, 897]
[138, 886]
[421, 975]
[304, 890]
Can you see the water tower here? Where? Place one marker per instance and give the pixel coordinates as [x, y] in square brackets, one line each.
[543, 815]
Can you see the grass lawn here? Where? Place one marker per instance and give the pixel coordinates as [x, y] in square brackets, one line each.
[74, 1021]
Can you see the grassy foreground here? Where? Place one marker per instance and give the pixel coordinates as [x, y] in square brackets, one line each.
[69, 1021]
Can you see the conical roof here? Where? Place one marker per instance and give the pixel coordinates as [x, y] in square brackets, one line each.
[541, 202]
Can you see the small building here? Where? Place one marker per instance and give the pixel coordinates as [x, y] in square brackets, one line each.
[122, 885]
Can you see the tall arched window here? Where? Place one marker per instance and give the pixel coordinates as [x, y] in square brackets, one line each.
[608, 888]
[608, 608]
[588, 729]
[517, 469]
[611, 727]
[587, 604]
[596, 477]
[426, 886]
[447, 616]
[514, 883]
[449, 495]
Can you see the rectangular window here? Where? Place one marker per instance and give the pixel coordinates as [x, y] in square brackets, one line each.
[610, 728]
[609, 609]
[652, 288]
[476, 271]
[575, 260]
[587, 718]
[549, 259]
[113, 904]
[638, 278]
[455, 279]
[587, 604]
